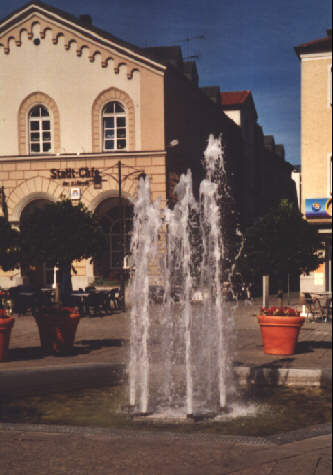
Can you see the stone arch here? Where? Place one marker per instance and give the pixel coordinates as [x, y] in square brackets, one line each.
[94, 198]
[33, 99]
[112, 94]
[34, 189]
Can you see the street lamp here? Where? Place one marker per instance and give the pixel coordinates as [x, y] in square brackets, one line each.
[120, 179]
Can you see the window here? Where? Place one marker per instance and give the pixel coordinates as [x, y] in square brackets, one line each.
[114, 126]
[39, 130]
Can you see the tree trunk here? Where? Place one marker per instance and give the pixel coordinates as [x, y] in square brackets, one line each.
[65, 284]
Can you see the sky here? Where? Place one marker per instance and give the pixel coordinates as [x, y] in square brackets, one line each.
[247, 44]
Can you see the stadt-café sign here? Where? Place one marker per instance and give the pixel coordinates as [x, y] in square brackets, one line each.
[84, 176]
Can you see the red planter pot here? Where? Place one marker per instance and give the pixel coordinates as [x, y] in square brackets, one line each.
[6, 325]
[279, 334]
[57, 329]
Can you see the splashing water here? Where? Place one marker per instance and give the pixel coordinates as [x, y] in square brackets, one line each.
[180, 360]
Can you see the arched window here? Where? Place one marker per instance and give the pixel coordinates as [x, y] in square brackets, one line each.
[114, 126]
[40, 139]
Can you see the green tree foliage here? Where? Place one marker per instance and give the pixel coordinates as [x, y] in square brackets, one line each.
[280, 243]
[9, 245]
[59, 234]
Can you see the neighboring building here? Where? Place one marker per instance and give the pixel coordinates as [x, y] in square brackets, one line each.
[297, 177]
[316, 149]
[78, 107]
[277, 183]
[265, 176]
[240, 107]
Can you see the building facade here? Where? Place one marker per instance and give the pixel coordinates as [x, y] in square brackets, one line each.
[316, 150]
[84, 114]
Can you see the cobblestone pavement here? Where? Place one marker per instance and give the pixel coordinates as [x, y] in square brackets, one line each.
[24, 452]
[34, 450]
[103, 339]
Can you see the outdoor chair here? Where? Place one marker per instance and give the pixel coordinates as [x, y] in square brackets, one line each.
[314, 308]
[96, 301]
[114, 298]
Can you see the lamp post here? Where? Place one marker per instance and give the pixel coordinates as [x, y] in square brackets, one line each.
[120, 179]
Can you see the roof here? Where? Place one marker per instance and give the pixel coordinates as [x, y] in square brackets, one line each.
[213, 92]
[191, 71]
[82, 25]
[234, 98]
[320, 45]
[166, 55]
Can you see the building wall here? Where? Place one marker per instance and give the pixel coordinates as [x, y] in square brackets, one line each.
[74, 82]
[235, 115]
[316, 154]
[316, 125]
[76, 77]
[190, 118]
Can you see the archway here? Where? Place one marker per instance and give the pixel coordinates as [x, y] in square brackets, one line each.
[117, 222]
[40, 275]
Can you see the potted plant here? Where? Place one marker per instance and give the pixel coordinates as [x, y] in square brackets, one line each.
[9, 259]
[58, 234]
[279, 327]
[6, 325]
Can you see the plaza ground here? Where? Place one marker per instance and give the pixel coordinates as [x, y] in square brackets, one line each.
[102, 342]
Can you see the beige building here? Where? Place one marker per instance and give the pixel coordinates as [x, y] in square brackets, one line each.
[316, 149]
[81, 109]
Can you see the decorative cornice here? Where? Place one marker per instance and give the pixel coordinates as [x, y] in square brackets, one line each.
[99, 43]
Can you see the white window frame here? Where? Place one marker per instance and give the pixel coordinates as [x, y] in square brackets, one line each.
[40, 131]
[115, 129]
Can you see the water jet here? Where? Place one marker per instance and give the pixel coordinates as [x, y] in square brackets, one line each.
[180, 357]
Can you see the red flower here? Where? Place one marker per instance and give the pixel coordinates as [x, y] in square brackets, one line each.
[279, 311]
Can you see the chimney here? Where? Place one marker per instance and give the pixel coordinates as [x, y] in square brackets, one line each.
[85, 20]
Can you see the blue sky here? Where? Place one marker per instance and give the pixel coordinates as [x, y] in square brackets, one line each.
[248, 45]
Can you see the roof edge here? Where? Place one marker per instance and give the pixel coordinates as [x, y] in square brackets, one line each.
[92, 32]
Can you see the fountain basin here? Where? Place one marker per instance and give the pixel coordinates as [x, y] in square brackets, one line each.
[267, 411]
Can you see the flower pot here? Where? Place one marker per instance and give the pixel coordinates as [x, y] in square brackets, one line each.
[280, 333]
[6, 325]
[57, 329]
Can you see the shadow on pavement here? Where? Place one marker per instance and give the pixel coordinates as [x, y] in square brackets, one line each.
[310, 346]
[80, 347]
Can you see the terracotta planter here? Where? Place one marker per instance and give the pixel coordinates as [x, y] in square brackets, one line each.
[6, 325]
[57, 329]
[279, 334]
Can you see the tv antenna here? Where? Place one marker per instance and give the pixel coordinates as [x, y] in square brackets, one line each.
[187, 40]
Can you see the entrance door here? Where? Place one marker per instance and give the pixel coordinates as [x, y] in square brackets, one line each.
[40, 275]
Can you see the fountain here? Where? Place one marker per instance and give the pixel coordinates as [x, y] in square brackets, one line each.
[180, 358]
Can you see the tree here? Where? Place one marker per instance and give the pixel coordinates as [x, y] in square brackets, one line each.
[9, 245]
[280, 243]
[59, 234]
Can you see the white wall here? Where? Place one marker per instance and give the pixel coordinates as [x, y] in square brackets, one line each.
[73, 82]
[235, 115]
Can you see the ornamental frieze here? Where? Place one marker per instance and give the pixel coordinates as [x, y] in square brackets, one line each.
[107, 58]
